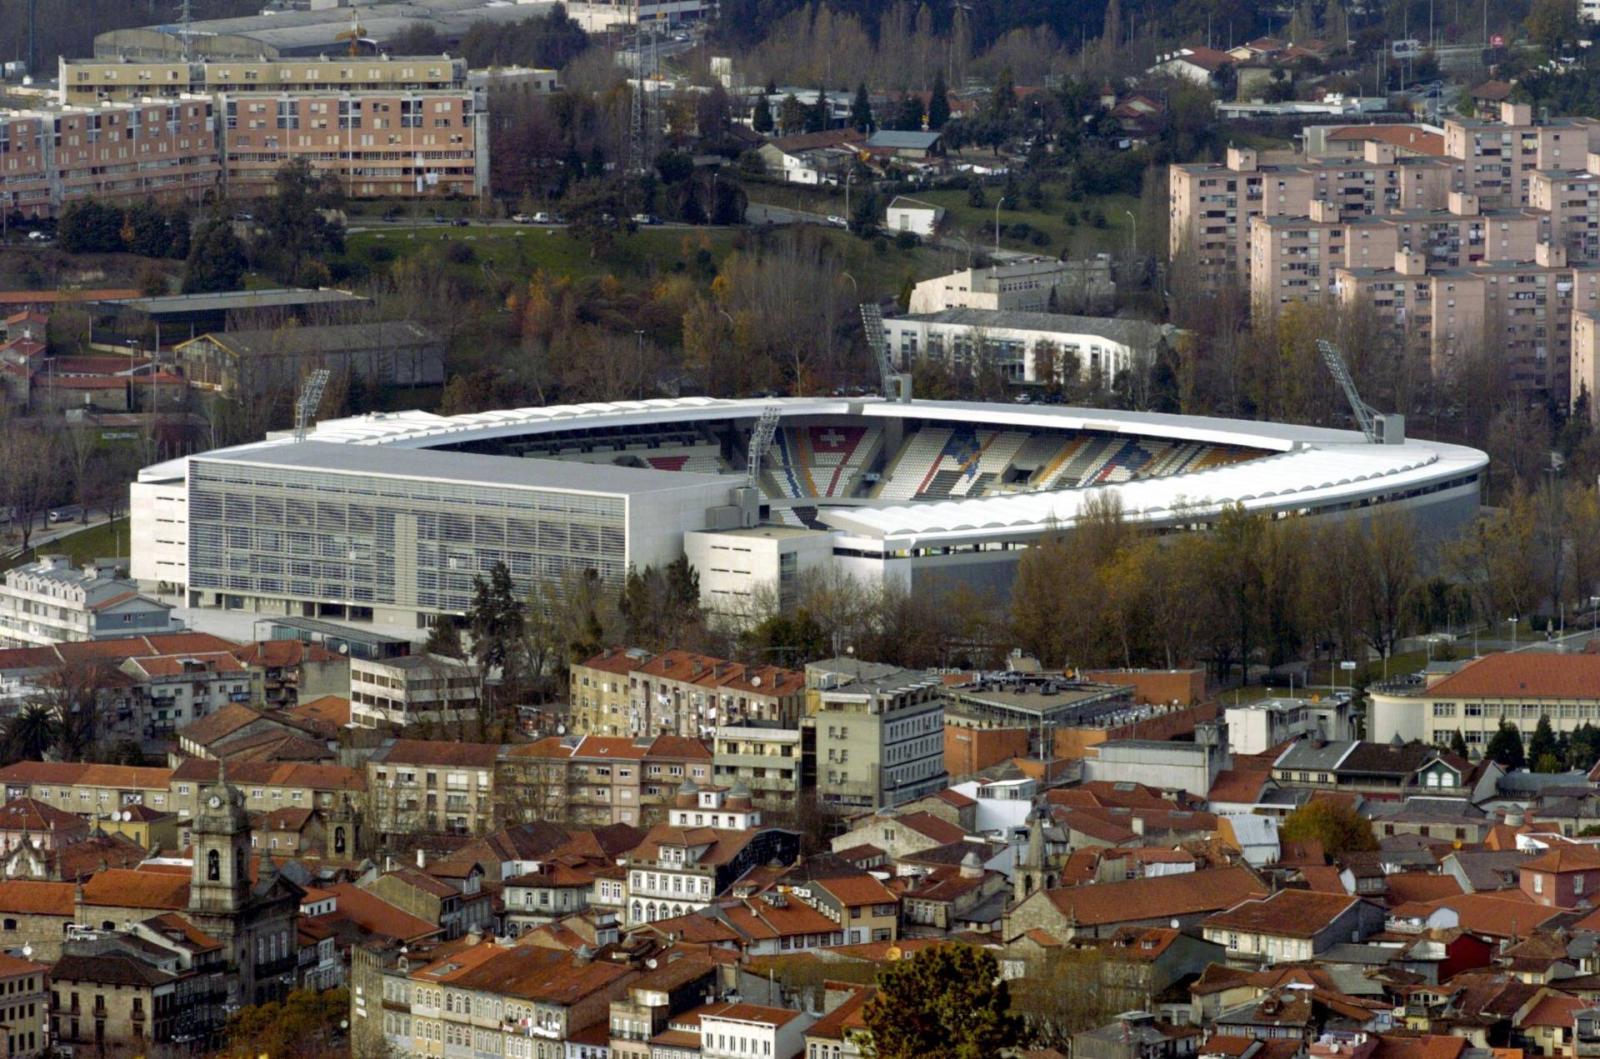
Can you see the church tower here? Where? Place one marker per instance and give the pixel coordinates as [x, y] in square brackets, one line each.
[219, 881]
[1033, 873]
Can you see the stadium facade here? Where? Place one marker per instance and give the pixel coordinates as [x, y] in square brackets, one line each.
[388, 517]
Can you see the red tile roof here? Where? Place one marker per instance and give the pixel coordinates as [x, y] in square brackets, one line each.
[1521, 676]
[30, 814]
[1287, 913]
[29, 898]
[1157, 897]
[131, 888]
[87, 774]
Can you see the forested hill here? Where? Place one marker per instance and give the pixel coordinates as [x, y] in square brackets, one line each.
[68, 27]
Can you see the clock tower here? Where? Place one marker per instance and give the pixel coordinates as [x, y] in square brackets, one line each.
[219, 881]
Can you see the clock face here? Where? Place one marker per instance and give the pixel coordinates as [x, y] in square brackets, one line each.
[216, 801]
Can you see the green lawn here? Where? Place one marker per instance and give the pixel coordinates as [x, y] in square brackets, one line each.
[107, 540]
[514, 253]
[976, 224]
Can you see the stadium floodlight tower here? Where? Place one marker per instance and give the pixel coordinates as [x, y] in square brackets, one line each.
[766, 428]
[305, 407]
[896, 387]
[1380, 428]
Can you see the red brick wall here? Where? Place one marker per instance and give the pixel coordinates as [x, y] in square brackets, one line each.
[1185, 686]
[969, 750]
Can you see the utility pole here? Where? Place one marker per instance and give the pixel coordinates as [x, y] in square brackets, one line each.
[33, 37]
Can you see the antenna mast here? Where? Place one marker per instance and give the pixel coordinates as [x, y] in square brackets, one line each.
[1367, 418]
[636, 159]
[760, 438]
[305, 408]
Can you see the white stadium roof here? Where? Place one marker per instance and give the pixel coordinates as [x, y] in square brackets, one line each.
[1302, 466]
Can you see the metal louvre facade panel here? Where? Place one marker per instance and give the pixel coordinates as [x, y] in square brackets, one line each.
[275, 531]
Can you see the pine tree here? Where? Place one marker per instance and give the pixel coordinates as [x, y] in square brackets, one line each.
[444, 638]
[938, 103]
[861, 110]
[1111, 32]
[761, 120]
[817, 113]
[1543, 747]
[1506, 748]
[1458, 744]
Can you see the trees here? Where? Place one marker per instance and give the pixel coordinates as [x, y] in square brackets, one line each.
[216, 259]
[444, 638]
[89, 226]
[761, 119]
[861, 110]
[1505, 747]
[1066, 993]
[302, 1026]
[1458, 744]
[296, 234]
[29, 735]
[938, 103]
[29, 476]
[1552, 23]
[947, 1002]
[1544, 751]
[494, 619]
[1337, 826]
[660, 608]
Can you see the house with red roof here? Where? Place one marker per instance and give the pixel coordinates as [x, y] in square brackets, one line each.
[1199, 64]
[1564, 876]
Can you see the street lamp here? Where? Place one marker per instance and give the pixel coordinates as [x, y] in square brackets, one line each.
[997, 204]
[855, 289]
[1133, 239]
[1513, 623]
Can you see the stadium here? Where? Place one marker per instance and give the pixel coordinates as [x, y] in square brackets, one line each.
[386, 518]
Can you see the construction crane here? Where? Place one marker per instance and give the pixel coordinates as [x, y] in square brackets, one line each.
[355, 34]
[305, 406]
[766, 428]
[1369, 419]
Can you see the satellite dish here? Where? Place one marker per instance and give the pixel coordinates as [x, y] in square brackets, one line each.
[344, 648]
[27, 952]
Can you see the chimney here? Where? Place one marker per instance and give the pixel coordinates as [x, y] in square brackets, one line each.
[1465, 204]
[422, 857]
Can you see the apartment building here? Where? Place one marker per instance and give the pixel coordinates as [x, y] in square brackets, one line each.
[26, 987]
[597, 780]
[1522, 310]
[89, 790]
[769, 759]
[715, 836]
[412, 689]
[1497, 162]
[171, 691]
[600, 691]
[433, 785]
[879, 734]
[50, 601]
[523, 1002]
[88, 82]
[1496, 159]
[1568, 202]
[412, 143]
[1585, 374]
[683, 693]
[121, 152]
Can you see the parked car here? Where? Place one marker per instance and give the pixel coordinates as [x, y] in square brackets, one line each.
[66, 514]
[646, 218]
[543, 218]
[521, 218]
[460, 222]
[837, 221]
[38, 236]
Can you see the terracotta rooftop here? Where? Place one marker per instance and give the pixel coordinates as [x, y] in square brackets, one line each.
[87, 774]
[30, 814]
[1287, 913]
[131, 888]
[1157, 897]
[438, 752]
[1521, 676]
[27, 897]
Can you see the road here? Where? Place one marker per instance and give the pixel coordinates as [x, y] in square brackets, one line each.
[44, 532]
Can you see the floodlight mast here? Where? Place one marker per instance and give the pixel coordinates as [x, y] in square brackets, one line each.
[305, 407]
[1367, 417]
[761, 437]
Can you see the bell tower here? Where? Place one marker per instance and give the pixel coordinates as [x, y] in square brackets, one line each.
[219, 882]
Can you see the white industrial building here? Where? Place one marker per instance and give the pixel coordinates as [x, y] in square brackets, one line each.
[1038, 348]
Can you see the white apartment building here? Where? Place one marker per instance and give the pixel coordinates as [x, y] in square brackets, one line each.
[752, 1031]
[1035, 285]
[742, 570]
[410, 689]
[1259, 726]
[50, 601]
[171, 691]
[1028, 347]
